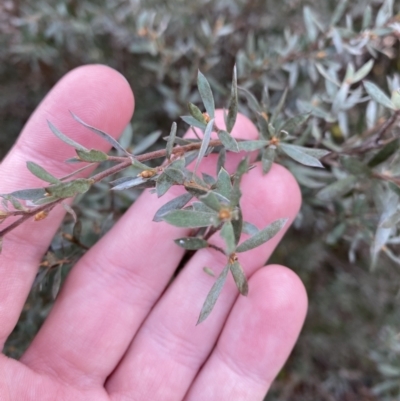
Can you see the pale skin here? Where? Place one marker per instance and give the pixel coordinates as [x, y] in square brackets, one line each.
[116, 332]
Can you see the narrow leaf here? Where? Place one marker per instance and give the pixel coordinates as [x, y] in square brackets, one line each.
[196, 113]
[191, 243]
[249, 228]
[294, 122]
[127, 182]
[211, 200]
[204, 144]
[362, 72]
[237, 225]
[387, 151]
[41, 173]
[268, 158]
[221, 159]
[171, 140]
[249, 146]
[228, 236]
[70, 188]
[29, 194]
[378, 95]
[252, 102]
[192, 121]
[213, 295]
[224, 184]
[206, 94]
[296, 154]
[113, 142]
[337, 189]
[239, 277]
[176, 175]
[262, 236]
[66, 139]
[233, 103]
[189, 218]
[279, 106]
[174, 204]
[354, 166]
[92, 156]
[164, 183]
[228, 141]
[71, 211]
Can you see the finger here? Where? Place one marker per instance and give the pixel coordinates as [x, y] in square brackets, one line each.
[112, 289]
[111, 110]
[256, 340]
[169, 338]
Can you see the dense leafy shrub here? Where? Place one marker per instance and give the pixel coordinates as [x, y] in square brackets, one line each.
[333, 62]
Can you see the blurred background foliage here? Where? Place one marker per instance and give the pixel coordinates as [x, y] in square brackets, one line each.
[350, 346]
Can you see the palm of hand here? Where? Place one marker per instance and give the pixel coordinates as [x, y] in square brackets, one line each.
[114, 334]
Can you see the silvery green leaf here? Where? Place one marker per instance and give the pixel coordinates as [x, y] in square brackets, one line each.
[314, 152]
[196, 113]
[378, 95]
[326, 74]
[191, 243]
[112, 141]
[192, 121]
[208, 271]
[362, 72]
[171, 140]
[208, 179]
[45, 201]
[384, 154]
[70, 188]
[206, 94]
[391, 221]
[29, 194]
[228, 236]
[164, 183]
[221, 159]
[127, 183]
[339, 11]
[183, 141]
[237, 225]
[239, 278]
[354, 166]
[337, 189]
[16, 204]
[148, 141]
[174, 204]
[56, 282]
[279, 106]
[224, 184]
[41, 173]
[66, 139]
[252, 102]
[71, 211]
[249, 146]
[268, 158]
[176, 175]
[211, 200]
[190, 157]
[395, 98]
[228, 141]
[367, 17]
[92, 156]
[309, 22]
[204, 143]
[249, 228]
[213, 295]
[262, 236]
[295, 122]
[233, 104]
[125, 139]
[201, 207]
[384, 14]
[191, 219]
[300, 156]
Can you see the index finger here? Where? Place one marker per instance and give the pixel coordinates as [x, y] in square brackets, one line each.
[100, 96]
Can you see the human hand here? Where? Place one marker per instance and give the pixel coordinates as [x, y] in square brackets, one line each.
[113, 333]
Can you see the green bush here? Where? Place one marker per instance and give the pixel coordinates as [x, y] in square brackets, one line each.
[335, 64]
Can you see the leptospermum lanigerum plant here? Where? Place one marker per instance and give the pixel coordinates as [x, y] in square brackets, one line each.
[209, 205]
